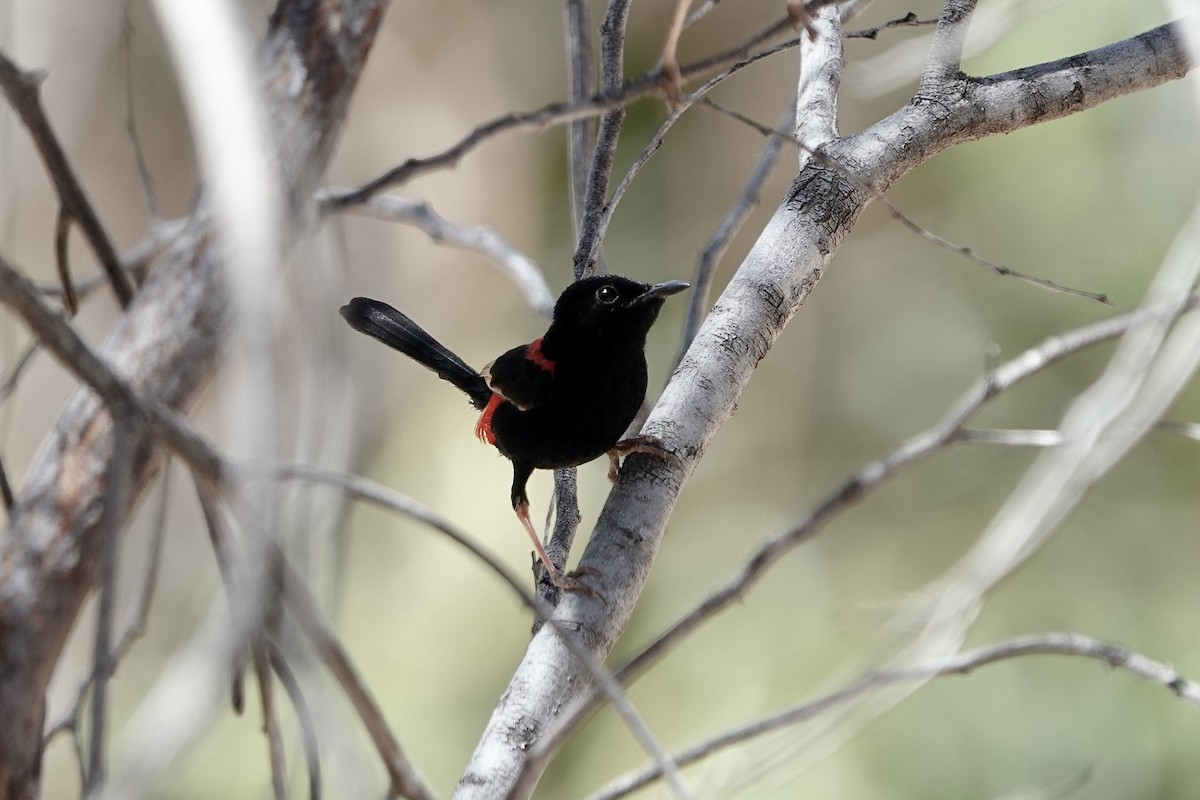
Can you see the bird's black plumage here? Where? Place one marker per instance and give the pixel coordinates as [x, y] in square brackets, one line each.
[561, 400]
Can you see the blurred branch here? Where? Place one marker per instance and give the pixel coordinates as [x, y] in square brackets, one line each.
[262, 674]
[125, 55]
[165, 347]
[57, 335]
[23, 92]
[308, 727]
[566, 633]
[103, 656]
[525, 273]
[1048, 644]
[134, 630]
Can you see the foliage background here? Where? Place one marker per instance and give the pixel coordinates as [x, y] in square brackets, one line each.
[895, 331]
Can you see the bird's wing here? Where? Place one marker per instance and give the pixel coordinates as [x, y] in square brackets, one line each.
[523, 376]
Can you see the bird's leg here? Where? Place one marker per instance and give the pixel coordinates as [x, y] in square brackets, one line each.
[567, 582]
[649, 445]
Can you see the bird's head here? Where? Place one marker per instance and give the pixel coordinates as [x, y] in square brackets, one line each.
[609, 303]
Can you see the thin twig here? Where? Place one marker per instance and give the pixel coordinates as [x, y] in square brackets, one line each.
[668, 62]
[224, 553]
[6, 491]
[125, 54]
[62, 259]
[909, 20]
[22, 90]
[308, 727]
[905, 220]
[1052, 644]
[262, 673]
[403, 778]
[14, 376]
[116, 497]
[524, 271]
[1188, 430]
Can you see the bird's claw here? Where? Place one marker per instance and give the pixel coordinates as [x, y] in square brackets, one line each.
[571, 581]
[649, 445]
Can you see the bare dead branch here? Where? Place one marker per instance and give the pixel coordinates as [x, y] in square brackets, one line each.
[165, 346]
[23, 93]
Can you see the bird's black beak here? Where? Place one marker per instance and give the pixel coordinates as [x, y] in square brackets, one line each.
[665, 289]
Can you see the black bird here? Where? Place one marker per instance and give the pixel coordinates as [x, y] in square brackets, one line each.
[560, 401]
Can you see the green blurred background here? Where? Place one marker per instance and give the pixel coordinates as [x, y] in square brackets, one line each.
[894, 332]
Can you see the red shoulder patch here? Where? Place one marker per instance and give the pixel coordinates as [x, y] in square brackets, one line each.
[483, 428]
[533, 352]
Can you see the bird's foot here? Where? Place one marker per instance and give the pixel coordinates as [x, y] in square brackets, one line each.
[573, 581]
[649, 445]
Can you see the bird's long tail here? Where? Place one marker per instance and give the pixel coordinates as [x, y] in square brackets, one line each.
[379, 320]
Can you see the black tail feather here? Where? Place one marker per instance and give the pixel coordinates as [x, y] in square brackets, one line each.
[380, 321]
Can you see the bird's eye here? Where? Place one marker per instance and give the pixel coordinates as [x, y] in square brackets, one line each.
[607, 293]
